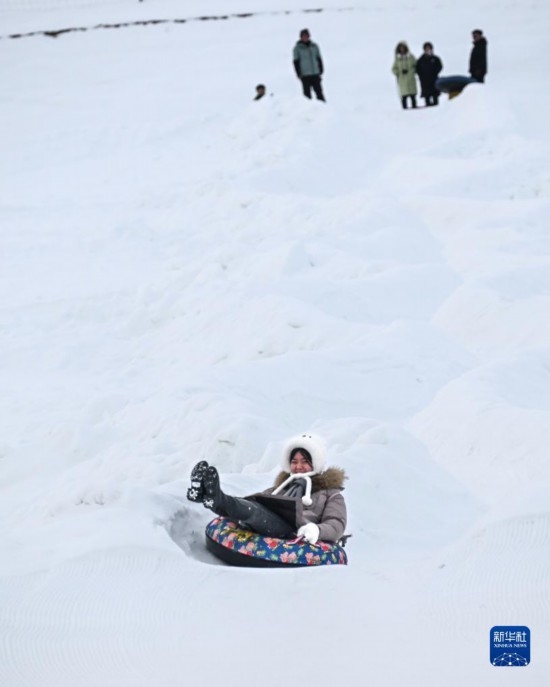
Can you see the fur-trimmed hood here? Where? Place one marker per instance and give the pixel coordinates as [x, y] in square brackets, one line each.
[404, 44]
[332, 478]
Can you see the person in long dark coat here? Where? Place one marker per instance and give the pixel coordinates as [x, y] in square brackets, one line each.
[428, 68]
[478, 56]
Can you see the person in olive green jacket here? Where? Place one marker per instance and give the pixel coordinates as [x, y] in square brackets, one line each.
[404, 68]
[306, 499]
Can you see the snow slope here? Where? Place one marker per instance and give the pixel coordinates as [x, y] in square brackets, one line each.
[185, 273]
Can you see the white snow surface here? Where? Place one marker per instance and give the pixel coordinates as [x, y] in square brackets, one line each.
[188, 274]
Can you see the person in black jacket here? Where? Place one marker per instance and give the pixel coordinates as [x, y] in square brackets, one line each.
[428, 67]
[478, 56]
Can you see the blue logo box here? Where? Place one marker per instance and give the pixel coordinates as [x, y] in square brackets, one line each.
[510, 646]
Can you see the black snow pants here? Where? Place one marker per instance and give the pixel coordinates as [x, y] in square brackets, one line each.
[313, 81]
[253, 515]
[404, 101]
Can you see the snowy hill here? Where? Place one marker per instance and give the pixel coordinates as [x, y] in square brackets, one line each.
[185, 273]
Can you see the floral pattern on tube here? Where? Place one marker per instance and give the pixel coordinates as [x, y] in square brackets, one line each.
[290, 551]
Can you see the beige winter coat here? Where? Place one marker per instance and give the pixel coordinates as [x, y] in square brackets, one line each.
[404, 68]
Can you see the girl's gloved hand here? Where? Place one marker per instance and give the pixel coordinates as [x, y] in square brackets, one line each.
[309, 532]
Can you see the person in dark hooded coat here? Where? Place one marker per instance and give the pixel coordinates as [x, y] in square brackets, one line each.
[478, 56]
[305, 501]
[428, 68]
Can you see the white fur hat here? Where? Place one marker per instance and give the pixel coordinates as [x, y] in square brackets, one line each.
[314, 445]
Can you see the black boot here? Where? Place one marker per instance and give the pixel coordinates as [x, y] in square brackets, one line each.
[213, 495]
[220, 503]
[195, 492]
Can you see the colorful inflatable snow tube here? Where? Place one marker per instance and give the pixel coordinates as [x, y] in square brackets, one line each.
[236, 546]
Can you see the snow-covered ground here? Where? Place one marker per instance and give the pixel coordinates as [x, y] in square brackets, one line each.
[185, 273]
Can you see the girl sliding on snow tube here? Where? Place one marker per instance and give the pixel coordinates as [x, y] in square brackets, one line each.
[305, 501]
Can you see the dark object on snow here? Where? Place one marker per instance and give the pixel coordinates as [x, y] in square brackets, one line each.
[260, 91]
[453, 85]
[478, 56]
[237, 546]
